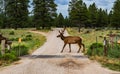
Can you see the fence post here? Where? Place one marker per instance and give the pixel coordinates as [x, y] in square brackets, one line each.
[97, 45]
[2, 47]
[105, 46]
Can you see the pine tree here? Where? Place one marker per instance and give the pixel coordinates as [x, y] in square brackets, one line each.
[1, 13]
[67, 22]
[110, 18]
[102, 18]
[16, 13]
[60, 20]
[44, 13]
[78, 12]
[93, 15]
[116, 14]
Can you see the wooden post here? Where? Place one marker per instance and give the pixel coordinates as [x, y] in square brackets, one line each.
[105, 46]
[3, 47]
[19, 51]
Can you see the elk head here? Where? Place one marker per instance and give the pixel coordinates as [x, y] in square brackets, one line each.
[61, 33]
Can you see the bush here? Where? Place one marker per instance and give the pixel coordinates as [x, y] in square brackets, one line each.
[114, 52]
[25, 38]
[14, 39]
[29, 35]
[95, 49]
[12, 33]
[20, 50]
[10, 57]
[96, 45]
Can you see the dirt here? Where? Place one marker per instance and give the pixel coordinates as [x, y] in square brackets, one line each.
[72, 64]
[49, 60]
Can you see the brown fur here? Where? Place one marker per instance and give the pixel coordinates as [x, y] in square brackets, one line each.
[71, 40]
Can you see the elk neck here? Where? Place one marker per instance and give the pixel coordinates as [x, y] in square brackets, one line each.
[62, 37]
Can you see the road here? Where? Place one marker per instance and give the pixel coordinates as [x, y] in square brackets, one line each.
[48, 60]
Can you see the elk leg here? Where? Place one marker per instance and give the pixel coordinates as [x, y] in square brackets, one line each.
[63, 48]
[69, 47]
[79, 48]
[83, 47]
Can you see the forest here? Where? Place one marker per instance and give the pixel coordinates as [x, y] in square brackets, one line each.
[15, 14]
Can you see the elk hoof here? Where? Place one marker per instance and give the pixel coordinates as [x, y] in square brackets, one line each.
[69, 51]
[61, 51]
[78, 51]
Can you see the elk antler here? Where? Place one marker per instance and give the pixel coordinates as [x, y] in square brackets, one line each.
[63, 30]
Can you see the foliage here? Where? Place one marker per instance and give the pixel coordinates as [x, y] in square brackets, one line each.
[78, 12]
[9, 56]
[112, 60]
[93, 16]
[12, 33]
[44, 13]
[29, 40]
[59, 20]
[20, 50]
[16, 12]
[95, 49]
[113, 66]
[116, 14]
[114, 52]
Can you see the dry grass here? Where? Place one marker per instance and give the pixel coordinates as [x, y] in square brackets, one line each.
[92, 36]
[89, 37]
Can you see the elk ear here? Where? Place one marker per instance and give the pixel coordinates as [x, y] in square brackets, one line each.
[59, 31]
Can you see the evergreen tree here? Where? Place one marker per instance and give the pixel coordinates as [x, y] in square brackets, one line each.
[110, 18]
[60, 20]
[116, 14]
[78, 12]
[67, 22]
[44, 13]
[105, 18]
[93, 15]
[1, 13]
[16, 13]
[102, 18]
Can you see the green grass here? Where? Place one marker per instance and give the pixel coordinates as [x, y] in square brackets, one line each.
[30, 41]
[112, 61]
[90, 38]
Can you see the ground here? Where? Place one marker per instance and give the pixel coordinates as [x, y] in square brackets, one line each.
[49, 60]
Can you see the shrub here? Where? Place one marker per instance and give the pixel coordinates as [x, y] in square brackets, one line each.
[14, 39]
[114, 52]
[26, 39]
[20, 50]
[95, 49]
[12, 33]
[29, 35]
[10, 57]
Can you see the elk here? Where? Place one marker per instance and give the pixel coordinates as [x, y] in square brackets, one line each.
[71, 40]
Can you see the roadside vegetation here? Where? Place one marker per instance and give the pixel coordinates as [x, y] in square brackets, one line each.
[29, 43]
[93, 40]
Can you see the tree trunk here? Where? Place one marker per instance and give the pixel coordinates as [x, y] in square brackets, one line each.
[43, 27]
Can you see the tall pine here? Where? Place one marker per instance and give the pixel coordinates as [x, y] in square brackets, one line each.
[59, 20]
[78, 12]
[44, 13]
[116, 14]
[16, 13]
[93, 15]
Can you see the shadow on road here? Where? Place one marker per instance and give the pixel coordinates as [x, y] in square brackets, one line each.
[54, 56]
